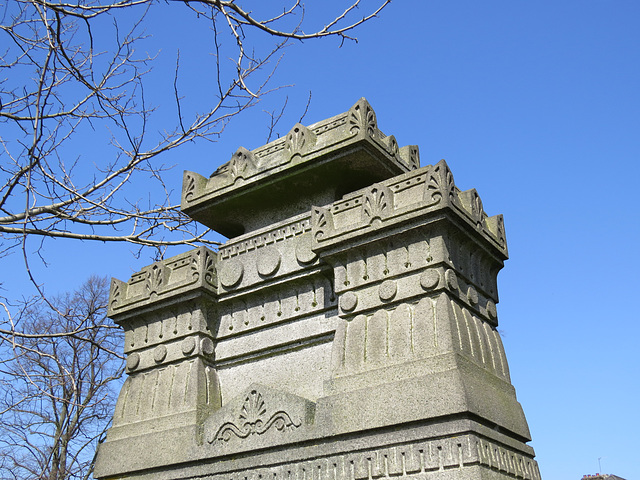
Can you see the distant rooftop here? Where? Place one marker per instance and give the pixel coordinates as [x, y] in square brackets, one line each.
[601, 476]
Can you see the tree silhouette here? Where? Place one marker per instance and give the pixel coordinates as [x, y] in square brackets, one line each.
[58, 385]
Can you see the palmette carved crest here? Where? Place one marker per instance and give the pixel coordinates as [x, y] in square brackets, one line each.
[299, 139]
[377, 203]
[114, 294]
[203, 262]
[392, 146]
[321, 220]
[189, 187]
[412, 156]
[362, 117]
[440, 186]
[253, 420]
[154, 279]
[477, 211]
[243, 164]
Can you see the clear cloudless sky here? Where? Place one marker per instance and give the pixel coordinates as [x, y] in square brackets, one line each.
[537, 106]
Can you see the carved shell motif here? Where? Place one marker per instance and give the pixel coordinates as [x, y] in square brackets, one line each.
[253, 410]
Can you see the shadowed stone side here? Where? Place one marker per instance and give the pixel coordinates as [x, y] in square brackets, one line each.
[347, 330]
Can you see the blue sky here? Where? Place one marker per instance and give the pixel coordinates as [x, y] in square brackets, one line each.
[537, 106]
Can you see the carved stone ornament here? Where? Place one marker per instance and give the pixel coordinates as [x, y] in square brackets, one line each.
[189, 186]
[243, 164]
[299, 139]
[231, 273]
[322, 222]
[268, 261]
[254, 420]
[203, 262]
[154, 279]
[347, 330]
[362, 118]
[430, 279]
[387, 290]
[377, 203]
[304, 254]
[440, 186]
[348, 301]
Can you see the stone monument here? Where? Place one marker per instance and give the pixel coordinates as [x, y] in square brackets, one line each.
[346, 331]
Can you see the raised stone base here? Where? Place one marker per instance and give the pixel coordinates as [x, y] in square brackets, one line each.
[442, 449]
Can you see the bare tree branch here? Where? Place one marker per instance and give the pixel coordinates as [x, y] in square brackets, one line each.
[58, 388]
[84, 137]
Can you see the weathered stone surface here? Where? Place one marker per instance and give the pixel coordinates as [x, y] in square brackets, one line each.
[289, 175]
[348, 330]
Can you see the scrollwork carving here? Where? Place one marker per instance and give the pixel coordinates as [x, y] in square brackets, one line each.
[253, 420]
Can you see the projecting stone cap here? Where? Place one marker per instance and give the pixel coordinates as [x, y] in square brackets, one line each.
[412, 199]
[313, 165]
[167, 280]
